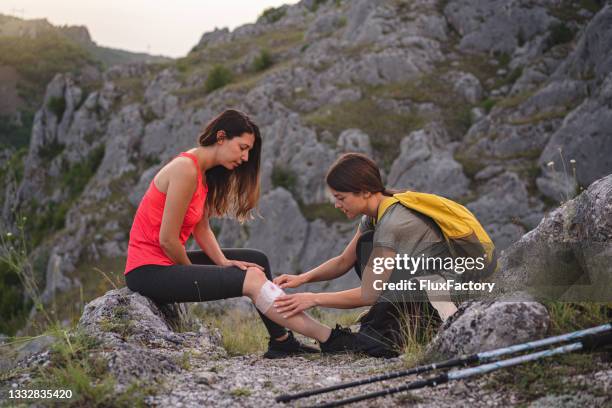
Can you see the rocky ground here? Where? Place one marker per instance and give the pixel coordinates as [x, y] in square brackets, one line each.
[251, 381]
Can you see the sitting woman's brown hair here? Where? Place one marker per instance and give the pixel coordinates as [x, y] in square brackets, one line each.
[233, 193]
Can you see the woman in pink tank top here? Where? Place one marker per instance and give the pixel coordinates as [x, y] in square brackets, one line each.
[218, 177]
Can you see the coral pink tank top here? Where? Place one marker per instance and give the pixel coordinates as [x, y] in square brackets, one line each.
[144, 247]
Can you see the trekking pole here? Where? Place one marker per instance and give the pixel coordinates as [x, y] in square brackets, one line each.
[592, 342]
[464, 360]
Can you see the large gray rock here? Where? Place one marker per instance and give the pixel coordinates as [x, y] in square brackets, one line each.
[354, 140]
[280, 233]
[318, 250]
[142, 340]
[324, 25]
[294, 147]
[505, 209]
[466, 85]
[55, 279]
[497, 25]
[568, 255]
[217, 36]
[365, 21]
[586, 138]
[487, 325]
[592, 58]
[25, 352]
[426, 164]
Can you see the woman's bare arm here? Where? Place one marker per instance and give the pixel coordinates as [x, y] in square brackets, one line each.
[207, 241]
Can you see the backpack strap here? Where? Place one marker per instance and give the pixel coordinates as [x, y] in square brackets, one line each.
[384, 206]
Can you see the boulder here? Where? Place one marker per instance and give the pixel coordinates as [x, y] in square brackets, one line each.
[584, 138]
[426, 164]
[487, 325]
[143, 340]
[280, 233]
[505, 209]
[489, 26]
[354, 140]
[568, 255]
[591, 57]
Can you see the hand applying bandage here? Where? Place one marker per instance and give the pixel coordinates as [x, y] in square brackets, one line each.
[289, 305]
[267, 295]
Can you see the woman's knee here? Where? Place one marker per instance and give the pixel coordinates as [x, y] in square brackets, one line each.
[260, 258]
[253, 281]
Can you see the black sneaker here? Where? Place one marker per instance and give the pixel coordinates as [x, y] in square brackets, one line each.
[341, 339]
[288, 347]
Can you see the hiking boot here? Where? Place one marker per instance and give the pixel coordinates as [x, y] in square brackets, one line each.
[341, 339]
[288, 347]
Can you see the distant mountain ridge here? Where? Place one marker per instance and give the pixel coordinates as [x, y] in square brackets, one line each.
[31, 53]
[15, 27]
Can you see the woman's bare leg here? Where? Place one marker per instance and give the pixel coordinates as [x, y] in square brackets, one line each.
[301, 323]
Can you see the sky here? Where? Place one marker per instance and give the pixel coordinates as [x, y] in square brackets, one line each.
[159, 27]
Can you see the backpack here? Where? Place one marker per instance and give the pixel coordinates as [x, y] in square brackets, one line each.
[463, 233]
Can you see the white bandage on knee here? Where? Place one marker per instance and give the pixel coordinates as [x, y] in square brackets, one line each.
[267, 295]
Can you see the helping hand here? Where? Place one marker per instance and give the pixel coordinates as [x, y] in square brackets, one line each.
[290, 305]
[288, 281]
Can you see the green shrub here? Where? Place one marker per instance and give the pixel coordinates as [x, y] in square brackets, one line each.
[325, 211]
[560, 33]
[461, 120]
[263, 61]
[515, 74]
[12, 170]
[488, 104]
[13, 134]
[37, 60]
[51, 150]
[52, 217]
[272, 14]
[14, 309]
[316, 4]
[218, 77]
[57, 105]
[503, 57]
[77, 364]
[283, 177]
[77, 176]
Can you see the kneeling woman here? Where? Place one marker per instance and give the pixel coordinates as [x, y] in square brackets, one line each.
[356, 184]
[219, 177]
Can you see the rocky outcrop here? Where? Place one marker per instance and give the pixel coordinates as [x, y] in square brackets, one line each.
[426, 163]
[487, 325]
[505, 208]
[498, 26]
[568, 255]
[591, 152]
[143, 340]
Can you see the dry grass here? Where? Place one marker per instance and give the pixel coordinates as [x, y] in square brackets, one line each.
[244, 333]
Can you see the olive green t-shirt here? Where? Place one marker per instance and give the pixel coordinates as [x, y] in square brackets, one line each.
[406, 231]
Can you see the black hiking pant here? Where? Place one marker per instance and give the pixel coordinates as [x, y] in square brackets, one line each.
[384, 328]
[201, 281]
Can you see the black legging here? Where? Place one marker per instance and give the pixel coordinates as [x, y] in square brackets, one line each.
[201, 281]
